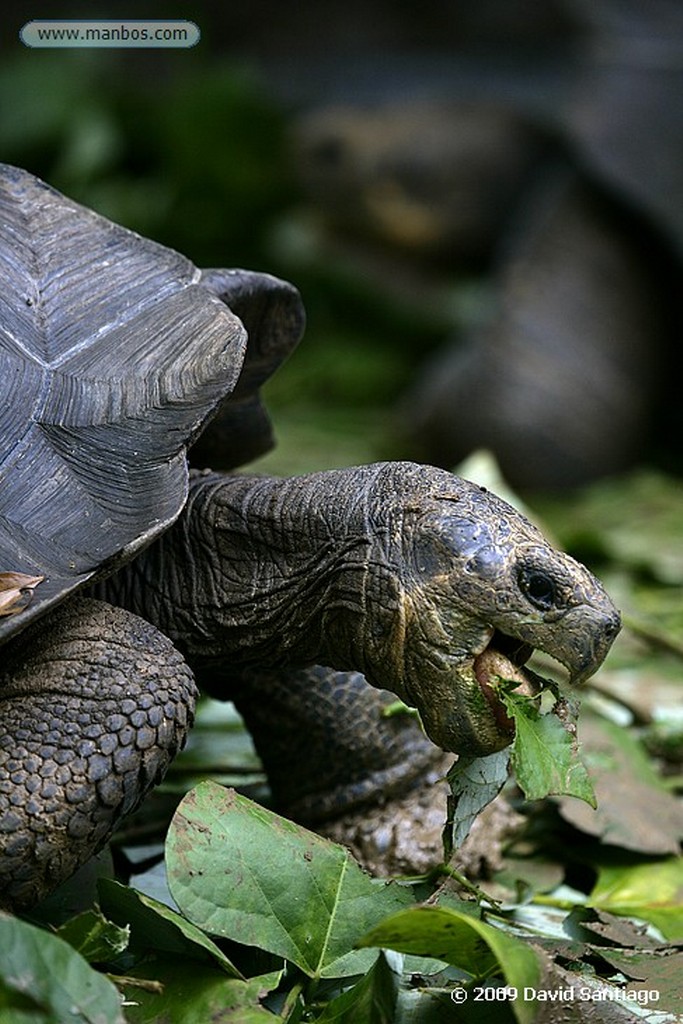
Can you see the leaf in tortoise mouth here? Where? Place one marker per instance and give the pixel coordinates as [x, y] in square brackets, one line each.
[16, 590]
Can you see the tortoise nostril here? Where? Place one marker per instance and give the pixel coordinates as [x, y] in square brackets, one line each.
[612, 626]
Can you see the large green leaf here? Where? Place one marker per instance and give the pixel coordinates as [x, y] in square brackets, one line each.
[44, 981]
[465, 942]
[652, 891]
[242, 872]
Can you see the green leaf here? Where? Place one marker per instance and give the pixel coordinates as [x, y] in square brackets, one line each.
[372, 1000]
[94, 937]
[545, 754]
[194, 993]
[474, 782]
[157, 927]
[465, 942]
[42, 979]
[242, 872]
[651, 891]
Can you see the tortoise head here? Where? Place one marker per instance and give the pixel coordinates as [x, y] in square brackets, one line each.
[477, 589]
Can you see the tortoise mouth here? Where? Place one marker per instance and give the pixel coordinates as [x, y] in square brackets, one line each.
[504, 657]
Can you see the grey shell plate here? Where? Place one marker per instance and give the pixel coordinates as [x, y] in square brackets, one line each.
[114, 353]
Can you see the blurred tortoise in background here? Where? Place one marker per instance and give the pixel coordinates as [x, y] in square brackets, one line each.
[115, 353]
[569, 205]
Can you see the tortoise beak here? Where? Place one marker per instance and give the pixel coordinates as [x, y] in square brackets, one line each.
[584, 639]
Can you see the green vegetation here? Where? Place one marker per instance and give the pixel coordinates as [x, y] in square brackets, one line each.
[240, 915]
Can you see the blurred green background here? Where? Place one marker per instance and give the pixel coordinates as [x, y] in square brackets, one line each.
[193, 148]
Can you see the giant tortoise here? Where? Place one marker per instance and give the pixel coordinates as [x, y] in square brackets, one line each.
[115, 352]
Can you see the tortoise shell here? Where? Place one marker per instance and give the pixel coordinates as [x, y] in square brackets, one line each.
[115, 352]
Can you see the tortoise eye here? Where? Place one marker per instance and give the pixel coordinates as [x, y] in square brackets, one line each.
[538, 588]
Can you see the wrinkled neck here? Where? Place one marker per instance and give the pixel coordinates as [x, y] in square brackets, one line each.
[265, 572]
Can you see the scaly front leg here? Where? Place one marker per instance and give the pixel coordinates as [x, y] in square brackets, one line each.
[95, 704]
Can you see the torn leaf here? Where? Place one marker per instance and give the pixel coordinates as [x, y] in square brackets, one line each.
[474, 782]
[545, 753]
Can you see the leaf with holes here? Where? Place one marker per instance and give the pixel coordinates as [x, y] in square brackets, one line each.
[244, 873]
[545, 756]
[474, 782]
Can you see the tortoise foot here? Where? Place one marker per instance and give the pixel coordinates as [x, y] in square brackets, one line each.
[329, 745]
[404, 835]
[95, 704]
[401, 835]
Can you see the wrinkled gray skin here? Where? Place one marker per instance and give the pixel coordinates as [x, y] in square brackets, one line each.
[402, 572]
[399, 571]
